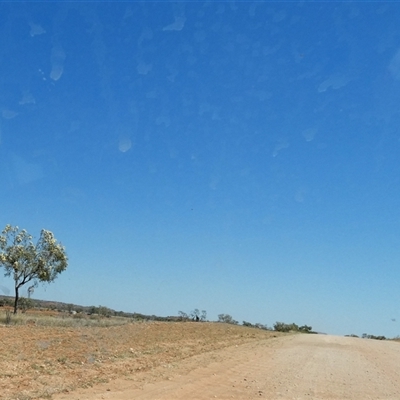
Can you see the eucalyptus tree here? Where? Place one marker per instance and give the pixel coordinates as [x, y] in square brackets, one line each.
[27, 262]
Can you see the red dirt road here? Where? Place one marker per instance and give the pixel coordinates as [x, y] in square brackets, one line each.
[290, 367]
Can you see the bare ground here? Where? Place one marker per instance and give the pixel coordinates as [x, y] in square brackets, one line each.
[194, 361]
[291, 367]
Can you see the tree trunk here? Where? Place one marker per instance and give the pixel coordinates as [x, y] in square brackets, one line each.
[16, 299]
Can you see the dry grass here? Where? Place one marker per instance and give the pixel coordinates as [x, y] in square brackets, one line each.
[60, 319]
[38, 360]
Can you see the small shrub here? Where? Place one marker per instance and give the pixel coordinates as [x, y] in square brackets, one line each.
[305, 329]
[227, 319]
[282, 327]
[25, 304]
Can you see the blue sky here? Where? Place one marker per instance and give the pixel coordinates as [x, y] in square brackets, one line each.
[237, 157]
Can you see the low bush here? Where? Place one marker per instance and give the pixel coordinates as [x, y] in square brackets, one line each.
[282, 327]
[227, 319]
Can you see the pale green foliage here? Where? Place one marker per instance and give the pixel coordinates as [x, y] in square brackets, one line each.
[26, 262]
[226, 318]
[105, 311]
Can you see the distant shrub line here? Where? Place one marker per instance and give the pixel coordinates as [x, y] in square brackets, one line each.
[75, 315]
[366, 336]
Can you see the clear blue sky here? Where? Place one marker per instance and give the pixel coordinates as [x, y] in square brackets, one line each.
[237, 157]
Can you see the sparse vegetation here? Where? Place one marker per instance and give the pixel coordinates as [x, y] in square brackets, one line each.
[62, 320]
[183, 316]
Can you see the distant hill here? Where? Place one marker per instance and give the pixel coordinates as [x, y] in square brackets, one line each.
[90, 310]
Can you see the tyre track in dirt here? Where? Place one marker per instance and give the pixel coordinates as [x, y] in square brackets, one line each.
[291, 367]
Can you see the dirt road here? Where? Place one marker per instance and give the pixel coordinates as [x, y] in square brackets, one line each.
[291, 367]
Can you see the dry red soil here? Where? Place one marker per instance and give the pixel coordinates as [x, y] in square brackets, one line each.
[39, 361]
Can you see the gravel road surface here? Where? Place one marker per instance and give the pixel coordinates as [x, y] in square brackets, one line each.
[291, 367]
